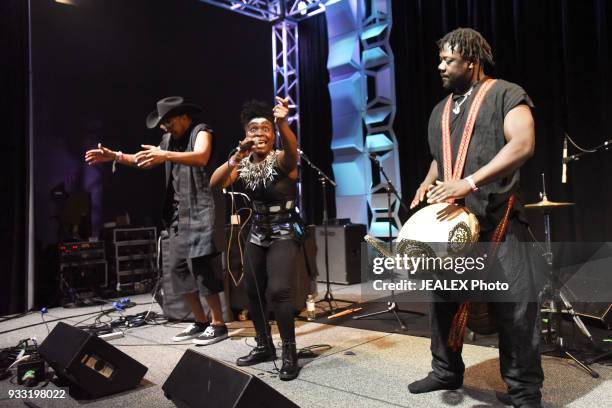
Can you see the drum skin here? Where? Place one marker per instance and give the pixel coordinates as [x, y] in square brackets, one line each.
[442, 222]
[442, 230]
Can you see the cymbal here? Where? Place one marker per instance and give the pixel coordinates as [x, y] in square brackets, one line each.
[545, 204]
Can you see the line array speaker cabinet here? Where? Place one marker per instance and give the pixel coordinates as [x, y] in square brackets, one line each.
[344, 252]
[92, 367]
[201, 381]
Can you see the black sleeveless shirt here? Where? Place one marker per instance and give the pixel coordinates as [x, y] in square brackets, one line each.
[273, 194]
[489, 202]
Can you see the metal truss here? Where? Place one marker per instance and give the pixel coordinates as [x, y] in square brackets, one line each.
[266, 10]
[272, 10]
[285, 68]
[302, 9]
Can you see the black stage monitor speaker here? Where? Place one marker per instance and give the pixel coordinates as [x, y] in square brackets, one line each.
[92, 367]
[595, 310]
[344, 252]
[201, 381]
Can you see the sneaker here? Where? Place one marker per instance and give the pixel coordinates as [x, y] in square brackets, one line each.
[211, 335]
[192, 331]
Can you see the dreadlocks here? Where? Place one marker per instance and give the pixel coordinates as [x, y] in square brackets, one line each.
[255, 109]
[469, 43]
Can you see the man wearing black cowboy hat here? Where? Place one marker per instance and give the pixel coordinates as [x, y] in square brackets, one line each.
[192, 214]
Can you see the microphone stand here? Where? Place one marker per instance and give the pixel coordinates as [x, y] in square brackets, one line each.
[575, 157]
[558, 302]
[324, 180]
[392, 306]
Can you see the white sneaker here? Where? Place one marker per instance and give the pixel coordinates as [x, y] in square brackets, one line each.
[212, 334]
[192, 331]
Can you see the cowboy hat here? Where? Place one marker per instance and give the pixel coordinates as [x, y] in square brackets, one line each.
[167, 107]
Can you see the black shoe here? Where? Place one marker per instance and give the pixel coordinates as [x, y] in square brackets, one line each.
[192, 331]
[212, 334]
[290, 369]
[429, 384]
[264, 351]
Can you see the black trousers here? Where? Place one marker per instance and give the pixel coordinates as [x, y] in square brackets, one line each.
[270, 279]
[519, 347]
[518, 322]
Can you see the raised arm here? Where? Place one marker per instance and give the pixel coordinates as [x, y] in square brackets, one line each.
[288, 157]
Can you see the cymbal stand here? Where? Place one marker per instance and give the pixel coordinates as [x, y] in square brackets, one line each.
[392, 306]
[554, 293]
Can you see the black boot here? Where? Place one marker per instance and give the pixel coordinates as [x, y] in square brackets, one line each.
[430, 383]
[290, 369]
[264, 351]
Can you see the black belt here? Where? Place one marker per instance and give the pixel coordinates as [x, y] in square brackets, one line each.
[278, 218]
[279, 207]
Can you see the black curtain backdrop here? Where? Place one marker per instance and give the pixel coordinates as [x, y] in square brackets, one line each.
[13, 151]
[98, 69]
[315, 117]
[559, 51]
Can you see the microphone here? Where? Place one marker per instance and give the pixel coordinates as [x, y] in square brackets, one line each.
[246, 146]
[564, 162]
[242, 148]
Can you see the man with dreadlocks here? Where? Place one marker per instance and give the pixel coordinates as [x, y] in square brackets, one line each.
[485, 130]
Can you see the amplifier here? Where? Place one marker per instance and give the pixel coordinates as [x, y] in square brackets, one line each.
[344, 252]
[70, 252]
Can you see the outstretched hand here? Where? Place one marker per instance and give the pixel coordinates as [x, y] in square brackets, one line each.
[150, 156]
[100, 155]
[281, 109]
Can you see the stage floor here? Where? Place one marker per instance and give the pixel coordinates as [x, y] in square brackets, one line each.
[363, 368]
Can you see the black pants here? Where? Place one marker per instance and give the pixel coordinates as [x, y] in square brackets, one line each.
[272, 270]
[518, 322]
[519, 351]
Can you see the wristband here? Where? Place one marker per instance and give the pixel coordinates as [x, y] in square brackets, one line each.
[232, 162]
[473, 185]
[118, 157]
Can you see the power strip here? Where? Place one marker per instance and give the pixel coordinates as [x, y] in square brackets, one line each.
[111, 336]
